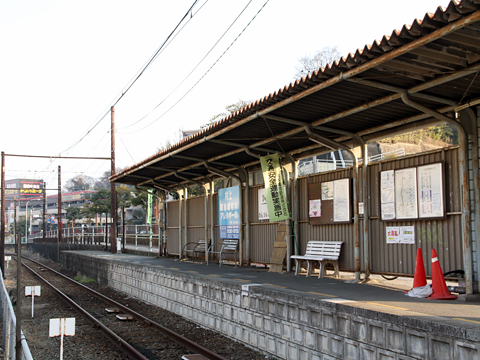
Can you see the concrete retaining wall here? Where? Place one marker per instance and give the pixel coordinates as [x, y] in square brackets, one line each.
[285, 324]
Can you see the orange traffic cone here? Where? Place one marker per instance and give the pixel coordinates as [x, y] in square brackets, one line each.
[439, 287]
[419, 279]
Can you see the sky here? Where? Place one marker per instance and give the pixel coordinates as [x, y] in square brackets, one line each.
[64, 63]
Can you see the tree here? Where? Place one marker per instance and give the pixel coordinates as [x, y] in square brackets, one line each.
[321, 59]
[20, 226]
[79, 183]
[231, 109]
[101, 202]
[74, 214]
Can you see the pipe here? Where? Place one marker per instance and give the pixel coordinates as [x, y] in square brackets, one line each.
[322, 140]
[463, 168]
[472, 120]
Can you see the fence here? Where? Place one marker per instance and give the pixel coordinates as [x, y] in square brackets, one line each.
[135, 235]
[9, 327]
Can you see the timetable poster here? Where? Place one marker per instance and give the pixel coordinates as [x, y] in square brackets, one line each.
[406, 193]
[387, 194]
[430, 193]
[341, 203]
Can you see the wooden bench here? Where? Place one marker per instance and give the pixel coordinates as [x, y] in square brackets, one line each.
[227, 247]
[325, 252]
[195, 248]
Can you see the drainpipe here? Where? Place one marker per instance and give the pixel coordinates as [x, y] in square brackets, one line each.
[334, 146]
[471, 117]
[207, 187]
[463, 168]
[180, 202]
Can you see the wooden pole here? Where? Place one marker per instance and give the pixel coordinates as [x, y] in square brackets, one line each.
[113, 192]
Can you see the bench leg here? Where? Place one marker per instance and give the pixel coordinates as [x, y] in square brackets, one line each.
[297, 266]
[321, 269]
[310, 267]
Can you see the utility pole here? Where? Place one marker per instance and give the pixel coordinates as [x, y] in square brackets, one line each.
[113, 192]
[59, 226]
[2, 230]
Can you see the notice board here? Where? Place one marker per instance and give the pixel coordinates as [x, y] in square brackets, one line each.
[412, 193]
[329, 202]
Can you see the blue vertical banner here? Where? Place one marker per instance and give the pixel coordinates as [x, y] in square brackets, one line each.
[229, 213]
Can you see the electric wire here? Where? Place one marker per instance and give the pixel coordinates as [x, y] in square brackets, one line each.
[135, 78]
[191, 72]
[215, 63]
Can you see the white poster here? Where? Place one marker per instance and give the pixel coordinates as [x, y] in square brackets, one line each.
[387, 186]
[400, 235]
[388, 211]
[315, 208]
[262, 205]
[406, 193]
[430, 190]
[327, 190]
[341, 195]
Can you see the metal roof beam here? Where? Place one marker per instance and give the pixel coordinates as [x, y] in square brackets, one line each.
[231, 143]
[396, 89]
[435, 35]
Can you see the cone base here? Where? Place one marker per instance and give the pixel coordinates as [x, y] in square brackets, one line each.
[446, 296]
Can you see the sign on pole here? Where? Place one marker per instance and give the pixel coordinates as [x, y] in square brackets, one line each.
[276, 199]
[32, 291]
[62, 327]
[7, 259]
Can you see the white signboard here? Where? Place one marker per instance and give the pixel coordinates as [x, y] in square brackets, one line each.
[341, 204]
[64, 326]
[430, 194]
[327, 190]
[406, 193]
[262, 205]
[400, 235]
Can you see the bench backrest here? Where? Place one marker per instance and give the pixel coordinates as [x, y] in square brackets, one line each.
[324, 248]
[200, 245]
[230, 245]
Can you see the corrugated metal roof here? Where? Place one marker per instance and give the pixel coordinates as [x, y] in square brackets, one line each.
[435, 60]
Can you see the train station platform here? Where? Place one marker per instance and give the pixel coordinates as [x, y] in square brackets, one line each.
[295, 317]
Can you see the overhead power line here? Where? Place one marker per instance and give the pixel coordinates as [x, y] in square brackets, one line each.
[215, 63]
[135, 78]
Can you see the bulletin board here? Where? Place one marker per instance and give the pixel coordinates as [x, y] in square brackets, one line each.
[329, 202]
[412, 193]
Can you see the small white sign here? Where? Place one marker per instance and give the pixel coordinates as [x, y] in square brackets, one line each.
[32, 290]
[8, 258]
[64, 326]
[360, 209]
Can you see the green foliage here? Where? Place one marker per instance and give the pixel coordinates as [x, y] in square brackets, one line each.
[74, 214]
[83, 279]
[444, 133]
[79, 183]
[20, 226]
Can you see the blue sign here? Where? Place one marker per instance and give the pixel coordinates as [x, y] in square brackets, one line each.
[229, 213]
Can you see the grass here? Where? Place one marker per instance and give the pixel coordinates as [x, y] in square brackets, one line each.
[83, 279]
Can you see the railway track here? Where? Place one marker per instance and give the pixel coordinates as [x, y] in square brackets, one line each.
[135, 335]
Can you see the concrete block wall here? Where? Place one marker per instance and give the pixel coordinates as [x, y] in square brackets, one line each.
[287, 325]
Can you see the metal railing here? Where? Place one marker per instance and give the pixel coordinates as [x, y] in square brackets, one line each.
[9, 327]
[136, 236]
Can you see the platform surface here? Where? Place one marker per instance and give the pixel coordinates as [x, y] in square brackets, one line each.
[376, 294]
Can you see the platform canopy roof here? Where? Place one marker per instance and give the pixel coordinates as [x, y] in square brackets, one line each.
[388, 87]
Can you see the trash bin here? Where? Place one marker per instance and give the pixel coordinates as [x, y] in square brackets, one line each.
[119, 245]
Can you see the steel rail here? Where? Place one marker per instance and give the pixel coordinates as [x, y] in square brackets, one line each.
[114, 338]
[177, 338]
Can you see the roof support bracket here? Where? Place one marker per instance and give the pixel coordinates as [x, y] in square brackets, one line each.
[463, 169]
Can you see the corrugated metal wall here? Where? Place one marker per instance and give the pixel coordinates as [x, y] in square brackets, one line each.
[443, 235]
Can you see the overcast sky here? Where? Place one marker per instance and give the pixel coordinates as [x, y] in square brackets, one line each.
[64, 63]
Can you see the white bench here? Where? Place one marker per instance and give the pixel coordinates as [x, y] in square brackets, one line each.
[228, 246]
[325, 252]
[198, 248]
